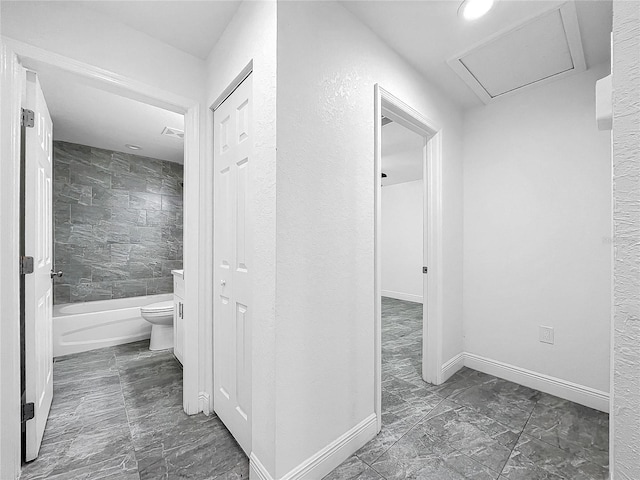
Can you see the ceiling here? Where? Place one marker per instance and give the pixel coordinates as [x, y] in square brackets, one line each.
[191, 26]
[401, 154]
[89, 116]
[428, 33]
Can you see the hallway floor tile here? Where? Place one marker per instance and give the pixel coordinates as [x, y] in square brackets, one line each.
[474, 426]
[117, 415]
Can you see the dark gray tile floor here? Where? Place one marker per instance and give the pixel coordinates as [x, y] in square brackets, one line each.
[117, 414]
[474, 426]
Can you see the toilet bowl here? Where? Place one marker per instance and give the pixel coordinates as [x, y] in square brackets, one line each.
[160, 316]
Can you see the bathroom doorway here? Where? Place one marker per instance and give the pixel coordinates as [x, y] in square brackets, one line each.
[115, 211]
[421, 163]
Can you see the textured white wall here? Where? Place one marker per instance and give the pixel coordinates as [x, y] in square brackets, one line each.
[625, 404]
[328, 63]
[251, 35]
[402, 245]
[537, 228]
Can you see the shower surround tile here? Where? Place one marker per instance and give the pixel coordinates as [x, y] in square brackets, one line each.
[117, 223]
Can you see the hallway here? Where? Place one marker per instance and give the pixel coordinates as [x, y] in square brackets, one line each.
[475, 426]
[117, 415]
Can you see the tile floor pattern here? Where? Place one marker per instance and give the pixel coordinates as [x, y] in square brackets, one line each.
[117, 414]
[474, 426]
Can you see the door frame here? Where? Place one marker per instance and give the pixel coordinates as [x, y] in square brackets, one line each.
[36, 59]
[11, 87]
[432, 326]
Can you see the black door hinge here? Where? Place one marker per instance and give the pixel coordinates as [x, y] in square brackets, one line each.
[424, 269]
[26, 265]
[27, 118]
[28, 411]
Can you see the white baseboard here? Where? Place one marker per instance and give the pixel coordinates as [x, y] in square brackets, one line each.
[257, 470]
[409, 297]
[581, 394]
[327, 459]
[452, 366]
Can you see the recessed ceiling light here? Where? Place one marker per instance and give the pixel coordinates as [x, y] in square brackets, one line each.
[474, 9]
[133, 147]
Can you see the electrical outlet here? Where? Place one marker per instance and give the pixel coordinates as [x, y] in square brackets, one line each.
[546, 334]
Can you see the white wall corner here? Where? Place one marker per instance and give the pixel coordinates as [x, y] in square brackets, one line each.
[409, 297]
[326, 460]
[451, 366]
[604, 103]
[589, 397]
[257, 471]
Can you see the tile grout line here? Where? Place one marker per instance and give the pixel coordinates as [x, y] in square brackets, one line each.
[126, 412]
[402, 436]
[542, 440]
[455, 449]
[515, 444]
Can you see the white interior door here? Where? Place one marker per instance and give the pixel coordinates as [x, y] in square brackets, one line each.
[38, 285]
[233, 262]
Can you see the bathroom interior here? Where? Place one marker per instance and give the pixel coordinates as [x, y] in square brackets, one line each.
[117, 219]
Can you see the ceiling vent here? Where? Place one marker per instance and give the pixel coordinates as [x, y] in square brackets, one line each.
[173, 132]
[544, 48]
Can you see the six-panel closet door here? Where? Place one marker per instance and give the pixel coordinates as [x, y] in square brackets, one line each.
[233, 227]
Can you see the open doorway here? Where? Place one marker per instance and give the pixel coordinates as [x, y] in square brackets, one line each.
[402, 245]
[421, 138]
[106, 221]
[108, 217]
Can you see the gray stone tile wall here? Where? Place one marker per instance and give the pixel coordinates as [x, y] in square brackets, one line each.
[117, 223]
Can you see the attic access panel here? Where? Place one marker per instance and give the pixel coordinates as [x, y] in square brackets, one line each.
[541, 49]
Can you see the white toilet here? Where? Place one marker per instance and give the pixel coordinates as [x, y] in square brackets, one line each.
[160, 316]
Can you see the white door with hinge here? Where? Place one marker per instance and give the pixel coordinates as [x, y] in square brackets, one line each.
[38, 285]
[232, 255]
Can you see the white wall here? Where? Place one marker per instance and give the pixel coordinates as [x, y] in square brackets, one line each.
[86, 35]
[402, 240]
[625, 402]
[328, 63]
[251, 36]
[537, 227]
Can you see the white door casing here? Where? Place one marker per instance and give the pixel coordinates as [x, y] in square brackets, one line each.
[232, 258]
[432, 329]
[38, 285]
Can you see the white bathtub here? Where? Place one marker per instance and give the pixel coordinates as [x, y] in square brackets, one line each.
[79, 327]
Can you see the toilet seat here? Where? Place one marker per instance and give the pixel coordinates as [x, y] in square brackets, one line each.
[157, 309]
